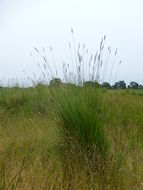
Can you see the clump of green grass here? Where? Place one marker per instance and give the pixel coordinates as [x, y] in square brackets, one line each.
[81, 113]
[78, 103]
[81, 110]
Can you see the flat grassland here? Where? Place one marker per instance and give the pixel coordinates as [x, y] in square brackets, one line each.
[46, 139]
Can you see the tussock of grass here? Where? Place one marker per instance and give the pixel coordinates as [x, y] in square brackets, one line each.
[81, 113]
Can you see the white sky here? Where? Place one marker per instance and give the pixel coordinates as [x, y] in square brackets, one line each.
[25, 24]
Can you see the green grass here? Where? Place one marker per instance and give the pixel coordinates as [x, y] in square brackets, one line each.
[80, 112]
[71, 138]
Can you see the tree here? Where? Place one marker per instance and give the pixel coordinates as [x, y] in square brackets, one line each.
[120, 85]
[106, 85]
[140, 86]
[55, 82]
[91, 83]
[133, 85]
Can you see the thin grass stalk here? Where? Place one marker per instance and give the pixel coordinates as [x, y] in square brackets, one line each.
[72, 61]
[113, 65]
[74, 50]
[106, 64]
[37, 64]
[44, 57]
[54, 62]
[94, 66]
[86, 63]
[117, 71]
[46, 61]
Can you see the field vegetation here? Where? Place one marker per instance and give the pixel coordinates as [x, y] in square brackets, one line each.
[78, 132]
[62, 142]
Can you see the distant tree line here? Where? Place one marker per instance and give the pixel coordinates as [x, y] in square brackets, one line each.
[118, 85]
[122, 85]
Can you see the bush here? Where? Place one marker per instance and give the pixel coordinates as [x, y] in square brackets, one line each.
[55, 82]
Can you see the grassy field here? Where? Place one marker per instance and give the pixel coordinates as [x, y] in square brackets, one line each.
[71, 138]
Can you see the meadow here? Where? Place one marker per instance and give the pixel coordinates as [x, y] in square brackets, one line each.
[70, 137]
[75, 131]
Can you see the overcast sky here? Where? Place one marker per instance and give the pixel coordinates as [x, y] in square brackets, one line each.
[25, 24]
